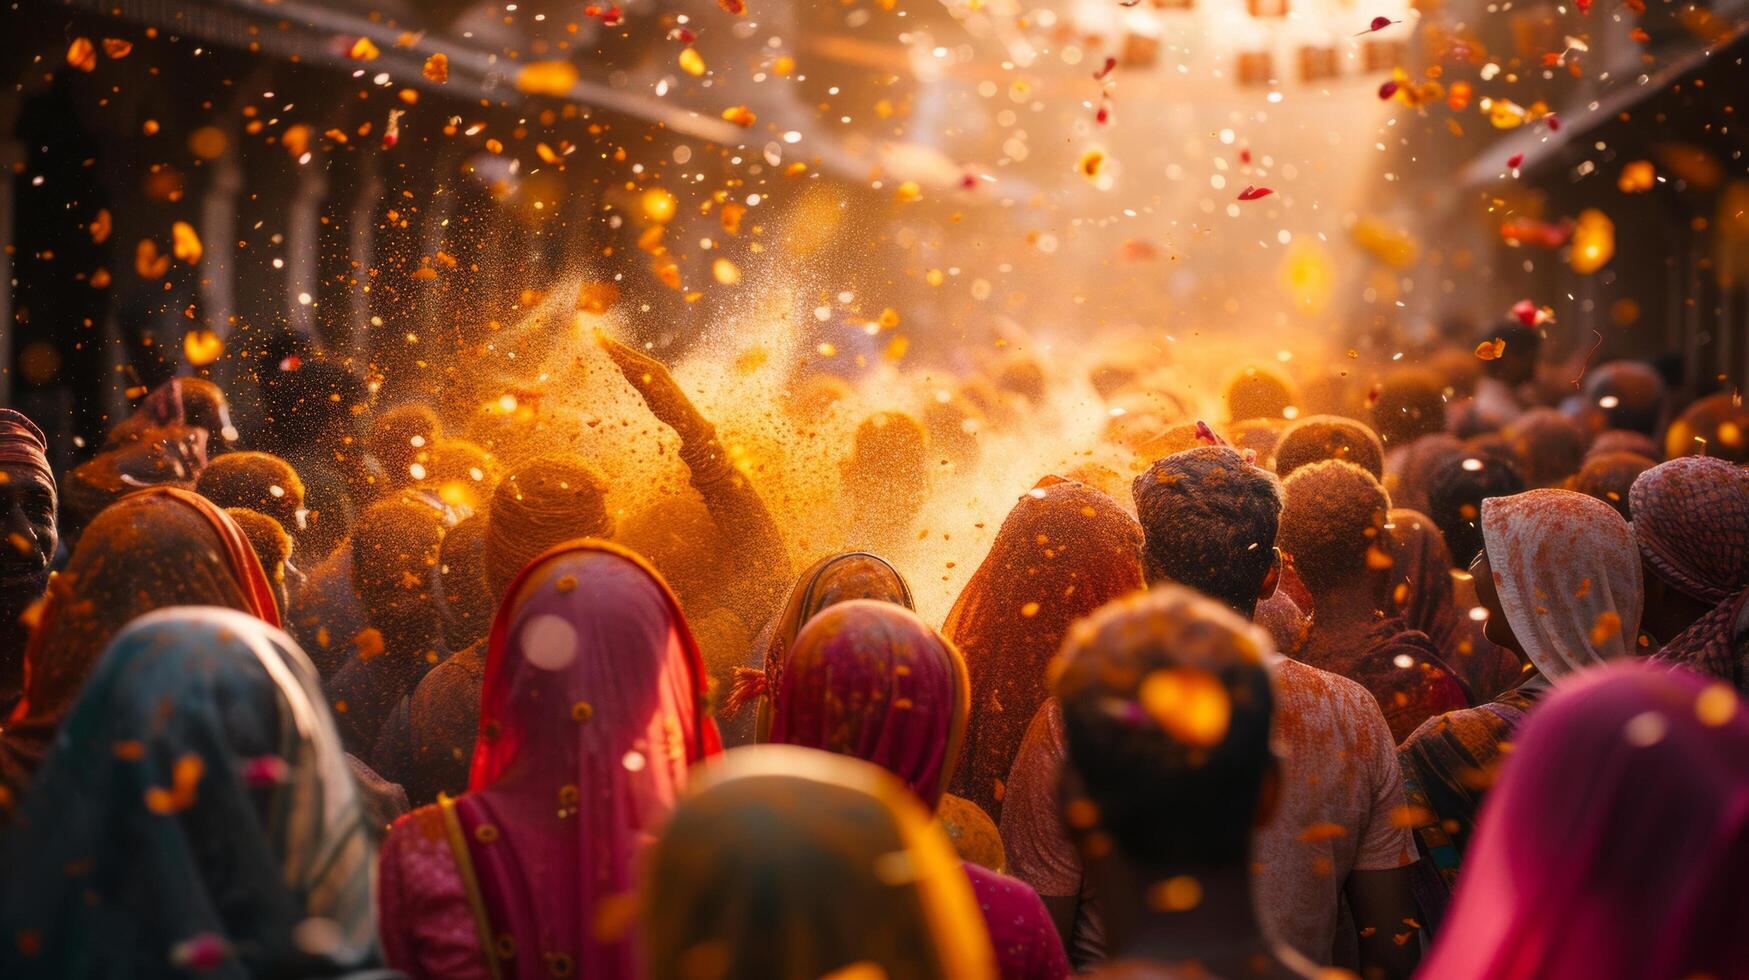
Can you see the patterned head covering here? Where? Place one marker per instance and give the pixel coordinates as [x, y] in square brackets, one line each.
[1063, 551]
[22, 445]
[1691, 518]
[829, 581]
[1568, 575]
[197, 812]
[155, 548]
[871, 680]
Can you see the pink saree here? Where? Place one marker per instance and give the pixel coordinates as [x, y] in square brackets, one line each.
[591, 714]
[870, 680]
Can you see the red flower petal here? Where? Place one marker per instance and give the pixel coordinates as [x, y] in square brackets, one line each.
[1515, 161]
[1388, 89]
[1525, 311]
[1110, 63]
[1251, 193]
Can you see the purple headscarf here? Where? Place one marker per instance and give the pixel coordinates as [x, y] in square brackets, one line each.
[871, 680]
[1616, 844]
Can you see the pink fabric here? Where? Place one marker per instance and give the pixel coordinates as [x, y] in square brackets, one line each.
[591, 714]
[869, 679]
[1021, 932]
[1616, 844]
[426, 922]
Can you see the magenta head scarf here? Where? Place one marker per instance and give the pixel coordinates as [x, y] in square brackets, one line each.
[1691, 518]
[1616, 844]
[869, 679]
[591, 714]
[1568, 574]
[22, 444]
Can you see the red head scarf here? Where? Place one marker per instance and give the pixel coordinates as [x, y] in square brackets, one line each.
[1064, 551]
[155, 548]
[869, 679]
[592, 711]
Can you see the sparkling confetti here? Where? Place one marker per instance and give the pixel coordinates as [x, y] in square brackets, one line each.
[184, 243]
[82, 55]
[180, 795]
[363, 49]
[554, 78]
[202, 346]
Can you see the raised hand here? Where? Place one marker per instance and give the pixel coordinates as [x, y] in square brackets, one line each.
[652, 380]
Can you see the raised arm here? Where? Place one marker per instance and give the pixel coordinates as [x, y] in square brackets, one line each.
[733, 503]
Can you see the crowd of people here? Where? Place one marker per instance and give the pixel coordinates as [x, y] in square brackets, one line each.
[1441, 677]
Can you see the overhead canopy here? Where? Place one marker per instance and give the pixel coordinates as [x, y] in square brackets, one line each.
[1544, 150]
[314, 33]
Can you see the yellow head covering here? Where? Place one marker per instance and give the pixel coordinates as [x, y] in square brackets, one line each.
[788, 863]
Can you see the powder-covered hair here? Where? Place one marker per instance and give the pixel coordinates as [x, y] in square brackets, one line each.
[539, 504]
[1209, 521]
[1321, 437]
[261, 482]
[1166, 704]
[1411, 404]
[1335, 512]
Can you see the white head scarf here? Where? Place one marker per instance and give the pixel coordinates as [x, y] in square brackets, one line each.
[1568, 573]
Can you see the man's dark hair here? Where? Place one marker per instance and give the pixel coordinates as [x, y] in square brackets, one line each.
[1166, 705]
[1208, 521]
[1335, 514]
[1522, 346]
[1321, 437]
[1410, 404]
[1455, 491]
